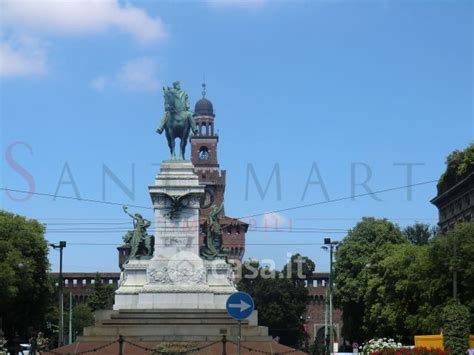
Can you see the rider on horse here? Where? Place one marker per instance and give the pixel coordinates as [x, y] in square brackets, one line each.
[183, 97]
[177, 121]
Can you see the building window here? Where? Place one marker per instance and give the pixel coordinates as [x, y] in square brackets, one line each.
[315, 283]
[203, 153]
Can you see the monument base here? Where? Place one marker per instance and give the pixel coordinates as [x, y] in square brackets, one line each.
[171, 325]
[153, 331]
[137, 292]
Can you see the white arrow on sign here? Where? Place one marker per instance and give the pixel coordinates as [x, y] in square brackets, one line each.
[243, 305]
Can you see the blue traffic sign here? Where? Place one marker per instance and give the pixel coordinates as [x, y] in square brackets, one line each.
[240, 305]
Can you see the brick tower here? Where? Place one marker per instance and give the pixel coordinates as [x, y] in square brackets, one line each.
[206, 165]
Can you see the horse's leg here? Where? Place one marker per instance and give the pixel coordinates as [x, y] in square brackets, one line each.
[185, 138]
[171, 143]
[183, 146]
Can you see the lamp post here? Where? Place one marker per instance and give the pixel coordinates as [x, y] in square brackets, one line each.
[329, 244]
[61, 245]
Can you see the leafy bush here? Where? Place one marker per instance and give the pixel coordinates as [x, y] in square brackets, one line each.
[459, 165]
[456, 327]
[380, 344]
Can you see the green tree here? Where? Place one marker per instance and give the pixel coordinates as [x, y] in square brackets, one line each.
[281, 302]
[103, 296]
[456, 327]
[459, 165]
[82, 317]
[449, 253]
[24, 287]
[298, 268]
[399, 294]
[357, 257]
[419, 233]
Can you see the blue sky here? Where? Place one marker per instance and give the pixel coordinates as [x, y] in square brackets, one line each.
[335, 87]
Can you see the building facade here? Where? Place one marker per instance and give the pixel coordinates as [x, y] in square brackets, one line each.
[81, 284]
[318, 305]
[455, 204]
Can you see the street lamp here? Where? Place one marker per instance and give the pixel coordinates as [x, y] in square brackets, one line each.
[329, 244]
[61, 245]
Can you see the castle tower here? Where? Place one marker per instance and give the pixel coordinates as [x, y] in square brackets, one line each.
[204, 155]
[206, 166]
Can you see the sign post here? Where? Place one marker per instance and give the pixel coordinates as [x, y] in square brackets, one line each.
[240, 306]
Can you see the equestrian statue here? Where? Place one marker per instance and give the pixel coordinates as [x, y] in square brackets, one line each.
[177, 121]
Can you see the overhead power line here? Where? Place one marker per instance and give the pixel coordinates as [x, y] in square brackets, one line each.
[124, 231]
[73, 198]
[242, 217]
[253, 244]
[192, 228]
[341, 199]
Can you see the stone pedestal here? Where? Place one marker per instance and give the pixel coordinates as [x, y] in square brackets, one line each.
[181, 325]
[176, 295]
[176, 277]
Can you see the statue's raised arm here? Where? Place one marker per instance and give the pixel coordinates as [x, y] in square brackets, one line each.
[125, 209]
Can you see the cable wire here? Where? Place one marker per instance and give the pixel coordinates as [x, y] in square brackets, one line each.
[243, 217]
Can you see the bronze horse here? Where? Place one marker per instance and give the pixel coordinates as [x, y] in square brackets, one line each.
[177, 123]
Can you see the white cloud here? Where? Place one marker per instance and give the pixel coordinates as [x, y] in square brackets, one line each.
[99, 83]
[237, 3]
[78, 17]
[25, 21]
[139, 74]
[22, 55]
[273, 220]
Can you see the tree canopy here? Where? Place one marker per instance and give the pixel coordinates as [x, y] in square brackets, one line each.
[24, 287]
[391, 285]
[358, 254]
[419, 233]
[450, 252]
[103, 296]
[279, 297]
[459, 165]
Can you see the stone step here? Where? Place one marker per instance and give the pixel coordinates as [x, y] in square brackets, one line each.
[172, 338]
[167, 321]
[160, 330]
[184, 317]
[172, 311]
